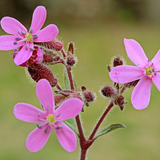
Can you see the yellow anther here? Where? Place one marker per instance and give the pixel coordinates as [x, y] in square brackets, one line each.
[50, 118]
[149, 71]
[29, 37]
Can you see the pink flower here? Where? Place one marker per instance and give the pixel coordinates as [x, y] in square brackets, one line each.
[37, 56]
[147, 71]
[50, 118]
[21, 37]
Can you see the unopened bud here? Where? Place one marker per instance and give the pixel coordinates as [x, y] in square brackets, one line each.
[108, 91]
[120, 100]
[47, 58]
[53, 44]
[117, 62]
[88, 96]
[131, 84]
[38, 71]
[71, 48]
[59, 99]
[50, 59]
[71, 61]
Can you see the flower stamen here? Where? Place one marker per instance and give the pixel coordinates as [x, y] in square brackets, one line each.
[50, 119]
[39, 126]
[48, 108]
[59, 127]
[149, 71]
[58, 115]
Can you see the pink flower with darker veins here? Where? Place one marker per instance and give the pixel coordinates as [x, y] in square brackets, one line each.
[21, 37]
[147, 71]
[50, 118]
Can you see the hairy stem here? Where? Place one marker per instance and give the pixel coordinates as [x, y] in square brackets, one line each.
[100, 121]
[83, 154]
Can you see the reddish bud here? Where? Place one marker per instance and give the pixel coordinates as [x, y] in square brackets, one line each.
[131, 84]
[89, 96]
[50, 59]
[59, 99]
[38, 71]
[71, 61]
[53, 44]
[117, 62]
[71, 48]
[120, 100]
[108, 91]
[56, 58]
[47, 58]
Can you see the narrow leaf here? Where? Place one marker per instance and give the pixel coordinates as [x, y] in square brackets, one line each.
[66, 80]
[110, 128]
[71, 123]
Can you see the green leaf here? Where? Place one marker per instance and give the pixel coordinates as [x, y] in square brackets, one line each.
[66, 80]
[71, 123]
[110, 128]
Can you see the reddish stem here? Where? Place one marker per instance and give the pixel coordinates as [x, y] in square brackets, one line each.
[83, 154]
[63, 53]
[71, 80]
[100, 121]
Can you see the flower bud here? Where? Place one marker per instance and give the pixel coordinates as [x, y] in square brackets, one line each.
[59, 99]
[47, 58]
[70, 61]
[38, 71]
[109, 91]
[71, 48]
[117, 62]
[120, 102]
[53, 44]
[131, 84]
[50, 59]
[88, 96]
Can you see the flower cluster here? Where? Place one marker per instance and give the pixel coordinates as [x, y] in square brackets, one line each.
[35, 49]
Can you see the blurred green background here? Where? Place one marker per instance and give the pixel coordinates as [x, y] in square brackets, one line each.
[97, 27]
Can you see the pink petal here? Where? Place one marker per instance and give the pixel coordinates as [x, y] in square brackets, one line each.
[6, 42]
[135, 52]
[28, 113]
[38, 19]
[45, 95]
[66, 137]
[37, 139]
[141, 93]
[69, 109]
[24, 54]
[156, 61]
[47, 34]
[124, 74]
[156, 80]
[11, 25]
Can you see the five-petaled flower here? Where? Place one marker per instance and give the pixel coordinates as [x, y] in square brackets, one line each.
[50, 118]
[147, 71]
[21, 37]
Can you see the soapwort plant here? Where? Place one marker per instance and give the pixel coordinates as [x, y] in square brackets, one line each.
[61, 111]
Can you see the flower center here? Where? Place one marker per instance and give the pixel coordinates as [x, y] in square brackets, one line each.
[149, 71]
[50, 119]
[29, 37]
